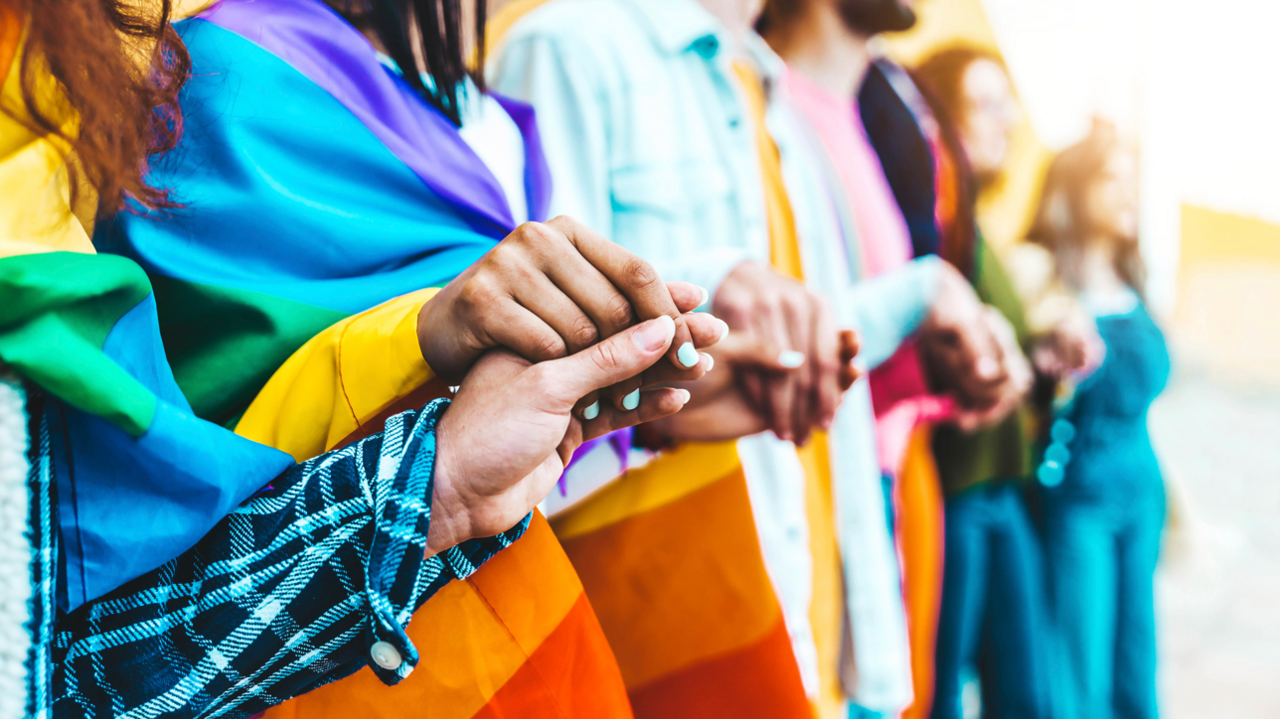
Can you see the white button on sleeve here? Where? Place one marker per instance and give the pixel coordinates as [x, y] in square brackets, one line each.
[385, 655]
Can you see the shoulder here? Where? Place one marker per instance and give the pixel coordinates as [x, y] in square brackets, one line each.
[591, 31]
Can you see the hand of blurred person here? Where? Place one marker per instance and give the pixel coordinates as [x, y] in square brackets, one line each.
[510, 431]
[719, 408]
[961, 353]
[552, 289]
[1073, 346]
[795, 329]
[1013, 392]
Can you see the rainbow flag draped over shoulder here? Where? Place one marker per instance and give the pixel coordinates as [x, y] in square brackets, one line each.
[140, 479]
[323, 196]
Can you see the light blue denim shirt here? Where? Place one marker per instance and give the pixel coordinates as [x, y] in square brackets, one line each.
[644, 127]
[651, 143]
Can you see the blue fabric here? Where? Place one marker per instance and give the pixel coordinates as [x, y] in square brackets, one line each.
[128, 505]
[904, 152]
[279, 181]
[994, 614]
[1103, 526]
[287, 593]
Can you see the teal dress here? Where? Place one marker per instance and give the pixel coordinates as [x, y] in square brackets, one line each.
[1103, 522]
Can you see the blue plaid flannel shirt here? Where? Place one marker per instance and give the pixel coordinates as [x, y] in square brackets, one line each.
[304, 584]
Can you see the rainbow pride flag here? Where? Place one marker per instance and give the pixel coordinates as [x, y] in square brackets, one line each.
[83, 327]
[323, 198]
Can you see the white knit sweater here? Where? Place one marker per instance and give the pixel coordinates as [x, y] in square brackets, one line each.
[15, 551]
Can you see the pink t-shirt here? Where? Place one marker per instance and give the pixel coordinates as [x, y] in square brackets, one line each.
[898, 389]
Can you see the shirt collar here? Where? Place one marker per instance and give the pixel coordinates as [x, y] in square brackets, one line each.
[679, 25]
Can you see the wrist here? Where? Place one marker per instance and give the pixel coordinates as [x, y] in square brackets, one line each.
[450, 519]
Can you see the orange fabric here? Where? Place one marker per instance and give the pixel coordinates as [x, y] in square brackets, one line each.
[761, 677]
[921, 539]
[478, 636]
[681, 584]
[579, 689]
[10, 34]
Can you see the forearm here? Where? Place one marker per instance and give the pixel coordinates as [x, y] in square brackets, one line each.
[888, 309]
[305, 583]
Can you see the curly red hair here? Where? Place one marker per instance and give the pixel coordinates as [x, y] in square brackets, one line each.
[118, 68]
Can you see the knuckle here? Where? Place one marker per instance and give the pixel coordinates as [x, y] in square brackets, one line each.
[618, 312]
[538, 235]
[549, 345]
[639, 274]
[606, 355]
[478, 293]
[583, 332]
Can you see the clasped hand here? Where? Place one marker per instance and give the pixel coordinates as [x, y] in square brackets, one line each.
[533, 332]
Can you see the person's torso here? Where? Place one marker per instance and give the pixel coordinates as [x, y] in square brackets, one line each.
[1111, 451]
[680, 160]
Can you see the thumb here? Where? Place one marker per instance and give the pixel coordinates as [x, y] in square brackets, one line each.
[618, 358]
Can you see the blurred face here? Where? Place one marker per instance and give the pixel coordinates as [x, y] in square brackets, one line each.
[1113, 199]
[870, 17]
[990, 116]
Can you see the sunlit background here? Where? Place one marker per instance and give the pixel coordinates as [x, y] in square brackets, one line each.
[1190, 82]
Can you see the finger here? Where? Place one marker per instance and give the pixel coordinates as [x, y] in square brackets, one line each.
[798, 316]
[850, 345]
[688, 296]
[513, 326]
[753, 387]
[637, 281]
[826, 342]
[545, 299]
[626, 394]
[654, 404]
[706, 330]
[664, 373]
[619, 358]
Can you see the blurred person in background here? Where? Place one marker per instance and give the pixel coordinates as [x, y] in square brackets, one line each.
[667, 124]
[1104, 499]
[994, 615]
[831, 72]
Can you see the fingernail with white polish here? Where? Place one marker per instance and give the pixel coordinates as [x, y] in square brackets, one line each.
[654, 334]
[705, 296]
[592, 411]
[687, 355]
[683, 395]
[724, 329]
[631, 401]
[711, 361]
[791, 359]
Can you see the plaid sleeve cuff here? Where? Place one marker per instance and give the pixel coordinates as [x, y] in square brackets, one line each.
[400, 578]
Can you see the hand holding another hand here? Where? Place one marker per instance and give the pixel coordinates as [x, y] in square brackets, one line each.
[796, 385]
[552, 289]
[507, 436]
[971, 352]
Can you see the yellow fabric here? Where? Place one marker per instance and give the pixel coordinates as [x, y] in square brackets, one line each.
[784, 248]
[826, 610]
[502, 20]
[340, 379]
[36, 215]
[668, 478]
[920, 531]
